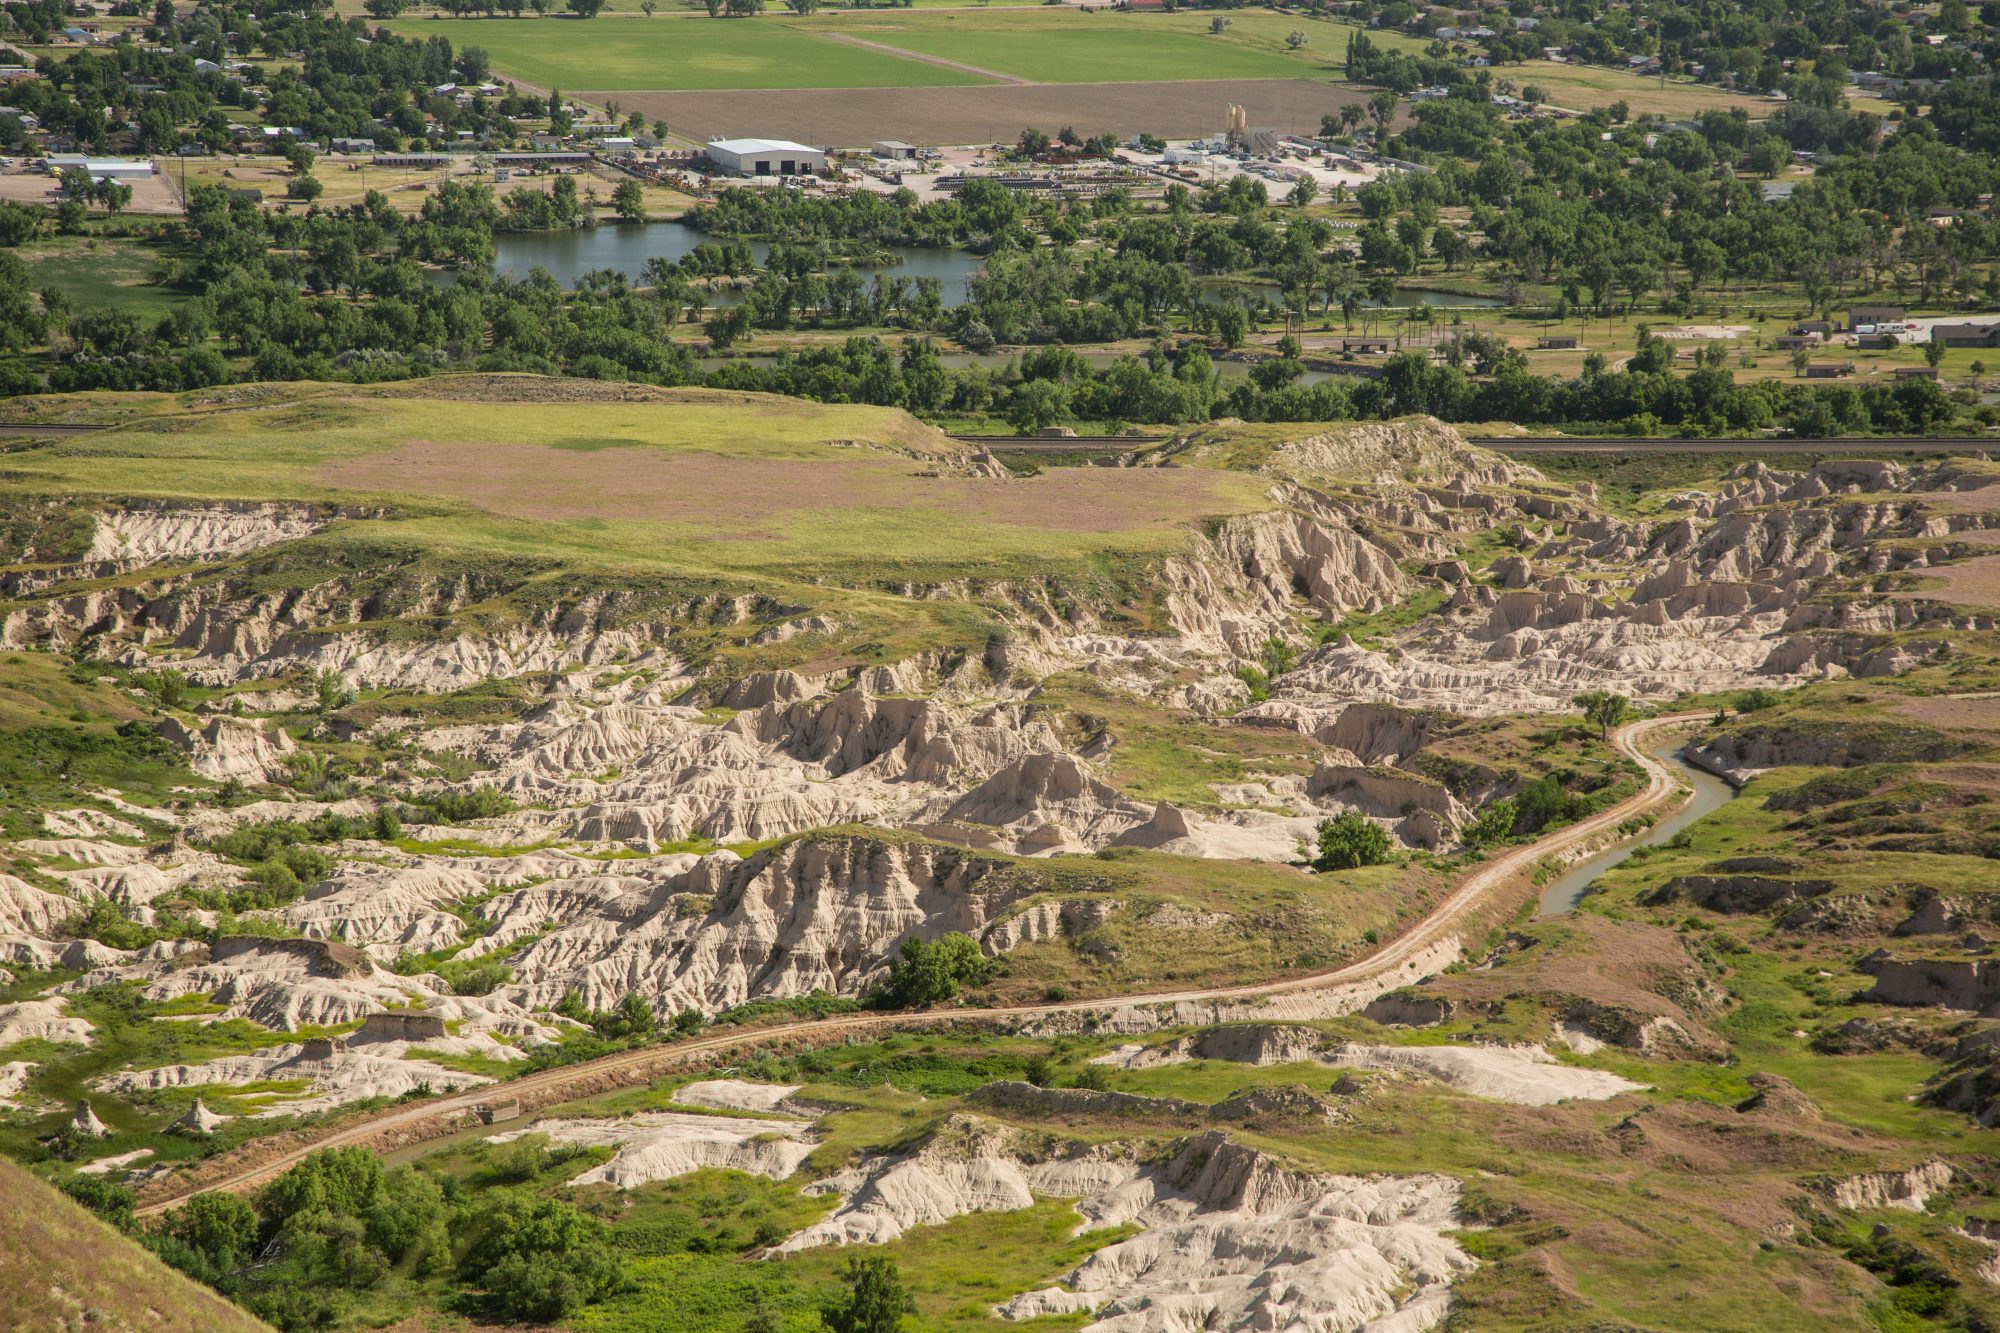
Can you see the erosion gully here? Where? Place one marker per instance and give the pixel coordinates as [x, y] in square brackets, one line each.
[1650, 742]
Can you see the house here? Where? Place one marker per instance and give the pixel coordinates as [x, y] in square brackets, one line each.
[618, 146]
[419, 160]
[1526, 25]
[1862, 315]
[1875, 342]
[894, 150]
[1818, 326]
[1557, 342]
[353, 145]
[1916, 372]
[1967, 335]
[1829, 370]
[1792, 342]
[1365, 346]
[766, 157]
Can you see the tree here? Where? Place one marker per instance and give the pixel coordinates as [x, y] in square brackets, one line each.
[1933, 353]
[629, 200]
[725, 327]
[1303, 192]
[1348, 841]
[1038, 405]
[1382, 108]
[1539, 804]
[330, 690]
[1218, 24]
[930, 973]
[874, 1302]
[1604, 708]
[1494, 824]
[384, 9]
[647, 7]
[542, 1260]
[584, 9]
[1295, 39]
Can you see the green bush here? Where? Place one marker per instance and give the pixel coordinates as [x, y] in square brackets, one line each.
[1349, 841]
[930, 973]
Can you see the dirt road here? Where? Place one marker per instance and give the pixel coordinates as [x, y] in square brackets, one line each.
[1387, 965]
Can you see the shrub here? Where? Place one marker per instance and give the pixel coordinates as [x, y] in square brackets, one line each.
[1349, 841]
[874, 1302]
[931, 973]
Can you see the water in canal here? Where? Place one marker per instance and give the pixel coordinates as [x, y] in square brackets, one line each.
[1711, 793]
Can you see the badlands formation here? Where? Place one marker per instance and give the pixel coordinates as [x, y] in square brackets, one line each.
[395, 825]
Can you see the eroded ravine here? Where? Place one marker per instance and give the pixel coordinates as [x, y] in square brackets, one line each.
[1425, 948]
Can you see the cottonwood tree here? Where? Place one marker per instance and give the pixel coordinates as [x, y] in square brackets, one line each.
[1604, 708]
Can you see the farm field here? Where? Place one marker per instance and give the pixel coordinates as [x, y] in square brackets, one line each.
[619, 54]
[1062, 45]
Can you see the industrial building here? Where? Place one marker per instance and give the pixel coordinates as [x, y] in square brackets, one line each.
[766, 157]
[101, 168]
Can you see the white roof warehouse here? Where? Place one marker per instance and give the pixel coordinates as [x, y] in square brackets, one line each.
[101, 168]
[766, 157]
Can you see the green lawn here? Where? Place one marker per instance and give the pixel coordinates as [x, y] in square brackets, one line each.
[97, 273]
[621, 54]
[1062, 45]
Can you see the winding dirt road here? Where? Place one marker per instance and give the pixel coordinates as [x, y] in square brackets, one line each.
[1387, 967]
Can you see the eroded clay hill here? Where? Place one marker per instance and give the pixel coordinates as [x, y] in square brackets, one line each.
[374, 794]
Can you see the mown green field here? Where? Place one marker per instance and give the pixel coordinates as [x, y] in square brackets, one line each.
[682, 54]
[1041, 45]
[1063, 45]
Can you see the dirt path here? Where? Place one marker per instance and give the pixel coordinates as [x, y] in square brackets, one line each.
[1387, 966]
[923, 59]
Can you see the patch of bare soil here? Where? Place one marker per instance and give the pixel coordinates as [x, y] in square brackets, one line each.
[1955, 714]
[749, 498]
[1985, 500]
[1974, 582]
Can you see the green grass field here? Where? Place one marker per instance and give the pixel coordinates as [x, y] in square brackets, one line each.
[1063, 45]
[688, 480]
[1040, 44]
[111, 272]
[620, 54]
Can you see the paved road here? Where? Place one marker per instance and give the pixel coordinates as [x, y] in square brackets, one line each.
[1384, 963]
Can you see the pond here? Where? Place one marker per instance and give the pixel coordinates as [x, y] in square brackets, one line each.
[1710, 794]
[568, 255]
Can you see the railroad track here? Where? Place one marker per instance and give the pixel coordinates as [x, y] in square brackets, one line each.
[30, 430]
[435, 1118]
[1873, 446]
